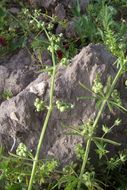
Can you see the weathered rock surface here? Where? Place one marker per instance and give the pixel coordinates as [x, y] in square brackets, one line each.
[20, 121]
[53, 3]
[60, 11]
[16, 73]
[70, 30]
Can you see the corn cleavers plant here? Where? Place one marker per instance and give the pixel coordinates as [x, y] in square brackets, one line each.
[52, 48]
[92, 129]
[106, 97]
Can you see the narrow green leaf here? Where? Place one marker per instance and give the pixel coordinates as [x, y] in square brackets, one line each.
[119, 106]
[86, 97]
[106, 140]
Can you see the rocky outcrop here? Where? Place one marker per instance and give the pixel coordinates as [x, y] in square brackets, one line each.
[53, 3]
[16, 73]
[19, 120]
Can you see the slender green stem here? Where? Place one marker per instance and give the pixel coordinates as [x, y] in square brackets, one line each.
[45, 123]
[88, 144]
[84, 162]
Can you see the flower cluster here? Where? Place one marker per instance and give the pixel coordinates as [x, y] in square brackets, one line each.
[115, 96]
[87, 129]
[22, 150]
[97, 87]
[39, 104]
[62, 106]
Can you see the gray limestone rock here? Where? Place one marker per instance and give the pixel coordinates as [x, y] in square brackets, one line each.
[4, 74]
[19, 119]
[70, 30]
[16, 73]
[60, 11]
[66, 3]
[42, 3]
[91, 60]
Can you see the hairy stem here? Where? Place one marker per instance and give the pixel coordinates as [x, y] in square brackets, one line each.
[88, 144]
[50, 108]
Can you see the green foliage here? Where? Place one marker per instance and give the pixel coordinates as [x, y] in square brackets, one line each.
[79, 150]
[62, 106]
[90, 182]
[35, 30]
[12, 30]
[15, 170]
[39, 104]
[85, 28]
[69, 178]
[84, 25]
[6, 95]
[97, 87]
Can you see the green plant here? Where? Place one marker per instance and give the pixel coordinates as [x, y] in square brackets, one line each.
[15, 170]
[91, 127]
[53, 47]
[12, 30]
[99, 24]
[39, 104]
[84, 25]
[7, 94]
[105, 100]
[69, 178]
[62, 106]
